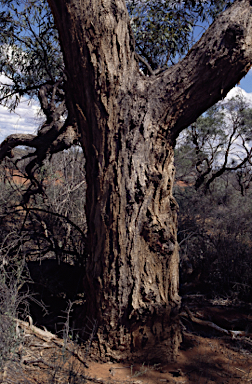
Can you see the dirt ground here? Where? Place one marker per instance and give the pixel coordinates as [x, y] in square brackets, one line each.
[206, 355]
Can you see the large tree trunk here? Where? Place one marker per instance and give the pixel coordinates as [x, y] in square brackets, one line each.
[128, 125]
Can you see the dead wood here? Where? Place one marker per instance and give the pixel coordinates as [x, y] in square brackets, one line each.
[47, 336]
[212, 325]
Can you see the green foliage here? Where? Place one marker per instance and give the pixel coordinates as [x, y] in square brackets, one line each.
[164, 29]
[29, 49]
[30, 54]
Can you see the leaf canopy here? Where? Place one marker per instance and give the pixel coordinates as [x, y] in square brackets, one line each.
[165, 29]
[30, 54]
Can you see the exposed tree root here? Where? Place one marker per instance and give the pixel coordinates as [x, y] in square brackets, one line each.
[214, 326]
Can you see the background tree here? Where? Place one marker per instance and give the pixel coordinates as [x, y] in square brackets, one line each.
[213, 189]
[32, 66]
[52, 223]
[214, 232]
[217, 143]
[46, 236]
[128, 124]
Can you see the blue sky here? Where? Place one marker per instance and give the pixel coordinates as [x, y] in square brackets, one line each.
[246, 82]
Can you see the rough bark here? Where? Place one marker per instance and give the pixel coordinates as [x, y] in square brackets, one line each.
[128, 125]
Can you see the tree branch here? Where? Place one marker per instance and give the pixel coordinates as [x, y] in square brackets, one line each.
[140, 58]
[54, 135]
[214, 65]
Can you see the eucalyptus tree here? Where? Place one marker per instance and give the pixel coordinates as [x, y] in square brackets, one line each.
[217, 143]
[32, 66]
[164, 31]
[127, 122]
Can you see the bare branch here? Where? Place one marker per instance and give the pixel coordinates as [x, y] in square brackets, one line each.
[30, 209]
[140, 58]
[53, 136]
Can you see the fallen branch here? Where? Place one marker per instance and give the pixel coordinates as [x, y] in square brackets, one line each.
[47, 336]
[212, 325]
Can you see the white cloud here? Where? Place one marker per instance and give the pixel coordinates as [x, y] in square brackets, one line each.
[237, 91]
[4, 79]
[25, 119]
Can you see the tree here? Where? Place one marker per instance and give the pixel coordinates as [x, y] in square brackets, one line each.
[51, 224]
[128, 125]
[164, 30]
[214, 232]
[32, 64]
[217, 143]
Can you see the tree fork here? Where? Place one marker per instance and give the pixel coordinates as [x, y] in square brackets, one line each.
[128, 125]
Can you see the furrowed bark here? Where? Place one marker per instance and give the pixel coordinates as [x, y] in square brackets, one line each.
[214, 65]
[128, 125]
